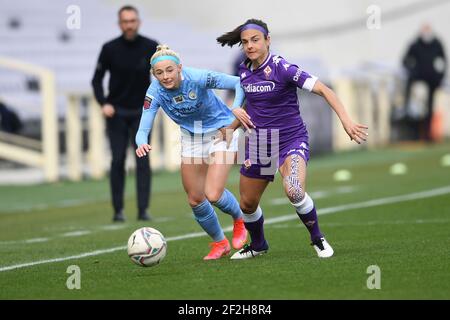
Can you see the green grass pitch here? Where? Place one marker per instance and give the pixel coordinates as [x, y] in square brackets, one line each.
[400, 223]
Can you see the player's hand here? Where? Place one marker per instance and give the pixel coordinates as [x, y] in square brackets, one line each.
[355, 131]
[108, 110]
[225, 134]
[143, 149]
[244, 118]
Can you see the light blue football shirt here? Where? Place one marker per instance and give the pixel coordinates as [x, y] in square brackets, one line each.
[194, 105]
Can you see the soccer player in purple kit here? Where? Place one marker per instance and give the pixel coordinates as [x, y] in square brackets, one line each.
[270, 84]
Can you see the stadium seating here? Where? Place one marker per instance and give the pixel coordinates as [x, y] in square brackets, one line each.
[36, 32]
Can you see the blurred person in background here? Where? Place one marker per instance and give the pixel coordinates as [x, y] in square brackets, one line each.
[424, 61]
[127, 59]
[9, 120]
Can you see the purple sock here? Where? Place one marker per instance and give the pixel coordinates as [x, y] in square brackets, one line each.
[312, 223]
[256, 230]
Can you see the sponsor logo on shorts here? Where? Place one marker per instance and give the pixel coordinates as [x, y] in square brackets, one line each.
[304, 146]
[296, 150]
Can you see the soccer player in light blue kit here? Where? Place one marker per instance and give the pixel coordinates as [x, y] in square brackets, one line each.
[187, 97]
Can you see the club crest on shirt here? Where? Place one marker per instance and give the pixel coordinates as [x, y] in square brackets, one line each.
[147, 102]
[192, 95]
[267, 72]
[178, 99]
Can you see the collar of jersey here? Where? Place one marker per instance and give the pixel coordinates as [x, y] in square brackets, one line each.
[262, 65]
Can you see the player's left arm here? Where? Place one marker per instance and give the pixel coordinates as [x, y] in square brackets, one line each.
[355, 131]
[292, 74]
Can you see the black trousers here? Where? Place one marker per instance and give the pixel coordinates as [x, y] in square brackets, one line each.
[121, 130]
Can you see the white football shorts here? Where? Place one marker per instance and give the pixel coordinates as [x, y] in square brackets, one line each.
[202, 145]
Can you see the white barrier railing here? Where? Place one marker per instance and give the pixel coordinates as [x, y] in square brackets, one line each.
[165, 156]
[368, 101]
[47, 157]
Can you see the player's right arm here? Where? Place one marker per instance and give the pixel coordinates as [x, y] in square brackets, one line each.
[103, 65]
[149, 111]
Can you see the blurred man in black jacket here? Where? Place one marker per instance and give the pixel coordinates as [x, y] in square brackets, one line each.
[425, 61]
[9, 120]
[127, 59]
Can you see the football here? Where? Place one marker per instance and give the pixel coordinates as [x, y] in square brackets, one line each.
[147, 247]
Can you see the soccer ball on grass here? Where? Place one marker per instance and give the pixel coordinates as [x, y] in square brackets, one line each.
[147, 247]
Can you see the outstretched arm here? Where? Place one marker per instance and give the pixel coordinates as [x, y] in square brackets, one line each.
[355, 131]
[217, 80]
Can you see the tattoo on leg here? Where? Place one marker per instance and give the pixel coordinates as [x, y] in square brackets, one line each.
[293, 185]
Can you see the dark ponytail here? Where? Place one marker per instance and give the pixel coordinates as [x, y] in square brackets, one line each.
[233, 37]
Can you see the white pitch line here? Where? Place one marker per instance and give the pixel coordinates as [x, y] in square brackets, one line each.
[358, 205]
[77, 233]
[43, 206]
[36, 240]
[26, 241]
[368, 223]
[83, 255]
[315, 195]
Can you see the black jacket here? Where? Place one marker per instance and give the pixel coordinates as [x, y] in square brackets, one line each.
[420, 60]
[128, 63]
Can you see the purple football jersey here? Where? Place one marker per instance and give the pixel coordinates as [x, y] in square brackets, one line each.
[271, 94]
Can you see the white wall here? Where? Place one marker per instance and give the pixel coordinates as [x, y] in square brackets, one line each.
[342, 50]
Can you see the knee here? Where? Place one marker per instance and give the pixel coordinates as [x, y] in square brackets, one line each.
[195, 199]
[248, 205]
[214, 195]
[117, 163]
[118, 154]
